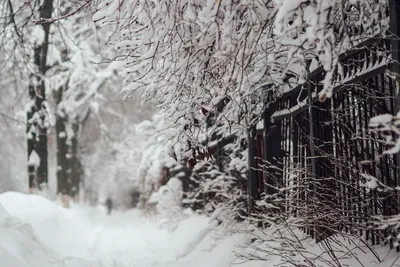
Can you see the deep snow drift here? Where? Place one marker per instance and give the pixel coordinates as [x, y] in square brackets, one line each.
[35, 232]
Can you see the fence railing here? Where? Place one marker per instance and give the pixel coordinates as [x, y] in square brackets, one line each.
[321, 159]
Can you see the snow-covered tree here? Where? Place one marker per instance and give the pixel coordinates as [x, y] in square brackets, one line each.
[24, 49]
[64, 73]
[193, 56]
[76, 81]
[217, 60]
[204, 63]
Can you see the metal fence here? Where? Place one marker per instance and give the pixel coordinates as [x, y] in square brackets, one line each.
[321, 159]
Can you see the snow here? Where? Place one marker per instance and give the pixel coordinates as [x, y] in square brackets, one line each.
[291, 110]
[34, 159]
[35, 232]
[38, 233]
[380, 120]
[371, 181]
[62, 135]
[168, 197]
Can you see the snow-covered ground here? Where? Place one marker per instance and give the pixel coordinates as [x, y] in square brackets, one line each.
[39, 233]
[35, 232]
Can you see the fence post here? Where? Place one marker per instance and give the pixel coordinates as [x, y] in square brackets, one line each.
[252, 164]
[273, 158]
[324, 188]
[311, 122]
[311, 118]
[394, 23]
[394, 15]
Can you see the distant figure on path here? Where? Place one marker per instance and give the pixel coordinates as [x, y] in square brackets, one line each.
[109, 205]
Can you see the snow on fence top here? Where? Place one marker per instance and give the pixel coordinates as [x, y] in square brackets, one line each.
[358, 64]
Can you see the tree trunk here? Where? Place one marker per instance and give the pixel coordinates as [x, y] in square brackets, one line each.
[31, 138]
[37, 113]
[76, 170]
[69, 167]
[62, 151]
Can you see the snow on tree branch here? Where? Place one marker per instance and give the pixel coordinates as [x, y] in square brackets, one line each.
[186, 55]
[54, 19]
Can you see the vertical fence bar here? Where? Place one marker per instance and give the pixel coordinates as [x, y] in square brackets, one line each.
[310, 89]
[394, 13]
[295, 158]
[324, 164]
[252, 163]
[266, 120]
[259, 160]
[311, 120]
[274, 158]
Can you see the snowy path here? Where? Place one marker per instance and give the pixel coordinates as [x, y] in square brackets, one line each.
[82, 236]
[127, 239]
[35, 232]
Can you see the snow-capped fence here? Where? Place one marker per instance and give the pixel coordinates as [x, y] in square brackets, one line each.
[322, 166]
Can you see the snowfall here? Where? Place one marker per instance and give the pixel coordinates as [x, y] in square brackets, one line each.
[37, 232]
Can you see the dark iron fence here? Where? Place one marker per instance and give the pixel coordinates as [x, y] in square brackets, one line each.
[320, 159]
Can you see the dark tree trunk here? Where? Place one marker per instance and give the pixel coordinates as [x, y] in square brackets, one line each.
[62, 152]
[76, 170]
[37, 114]
[62, 142]
[31, 137]
[69, 167]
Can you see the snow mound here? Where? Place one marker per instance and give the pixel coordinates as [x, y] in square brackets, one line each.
[19, 246]
[33, 232]
[168, 198]
[48, 221]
